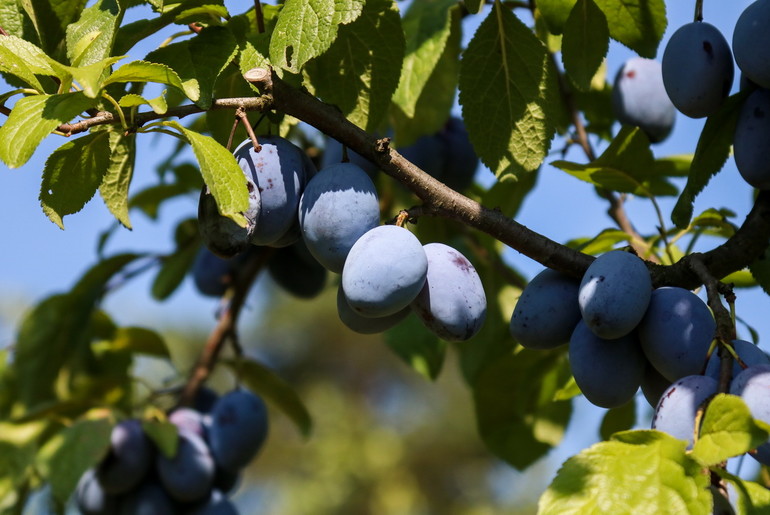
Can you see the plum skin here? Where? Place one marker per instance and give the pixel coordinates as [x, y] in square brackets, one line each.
[238, 428]
[751, 39]
[677, 407]
[751, 141]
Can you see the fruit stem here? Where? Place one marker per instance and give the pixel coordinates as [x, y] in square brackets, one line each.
[698, 10]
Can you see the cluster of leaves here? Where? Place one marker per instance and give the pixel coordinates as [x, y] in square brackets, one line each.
[384, 71]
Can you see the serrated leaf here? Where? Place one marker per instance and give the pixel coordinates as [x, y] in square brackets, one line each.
[176, 57]
[555, 13]
[305, 29]
[740, 279]
[150, 199]
[143, 71]
[211, 51]
[33, 57]
[508, 195]
[647, 472]
[72, 174]
[473, 6]
[753, 498]
[585, 43]
[760, 269]
[712, 151]
[164, 435]
[15, 65]
[417, 346]
[32, 119]
[638, 25]
[90, 38]
[427, 26]
[84, 444]
[674, 166]
[369, 51]
[727, 430]
[275, 390]
[347, 11]
[140, 340]
[716, 220]
[117, 179]
[603, 242]
[89, 77]
[618, 419]
[508, 93]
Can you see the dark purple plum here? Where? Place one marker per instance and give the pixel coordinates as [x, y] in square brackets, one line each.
[333, 155]
[639, 98]
[676, 332]
[205, 399]
[697, 69]
[678, 406]
[427, 153]
[338, 206]
[189, 475]
[238, 429]
[608, 372]
[128, 460]
[452, 303]
[149, 499]
[749, 353]
[751, 39]
[547, 311]
[653, 384]
[614, 294]
[366, 325]
[226, 481]
[90, 497]
[461, 161]
[279, 172]
[384, 271]
[211, 273]
[297, 272]
[753, 386]
[216, 504]
[188, 420]
[222, 235]
[751, 142]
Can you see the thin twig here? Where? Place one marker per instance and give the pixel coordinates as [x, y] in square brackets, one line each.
[260, 16]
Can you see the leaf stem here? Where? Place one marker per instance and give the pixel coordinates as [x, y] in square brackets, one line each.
[118, 109]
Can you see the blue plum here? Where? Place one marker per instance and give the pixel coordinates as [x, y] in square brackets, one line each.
[280, 172]
[614, 294]
[751, 141]
[333, 155]
[749, 353]
[216, 504]
[547, 311]
[678, 406]
[384, 271]
[676, 332]
[297, 272]
[149, 499]
[697, 69]
[90, 497]
[212, 274]
[427, 153]
[239, 426]
[366, 325]
[129, 459]
[222, 235]
[639, 98]
[753, 386]
[608, 372]
[188, 420]
[338, 206]
[189, 475]
[452, 303]
[461, 161]
[751, 39]
[205, 399]
[653, 384]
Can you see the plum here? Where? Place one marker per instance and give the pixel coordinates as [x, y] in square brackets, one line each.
[427, 153]
[697, 69]
[547, 311]
[639, 98]
[366, 325]
[239, 426]
[128, 460]
[676, 411]
[189, 475]
[751, 141]
[653, 384]
[297, 272]
[753, 386]
[749, 353]
[216, 504]
[223, 236]
[149, 499]
[614, 294]
[751, 39]
[461, 161]
[91, 498]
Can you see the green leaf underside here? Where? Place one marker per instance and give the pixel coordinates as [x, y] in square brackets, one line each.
[418, 347]
[585, 42]
[711, 153]
[760, 269]
[275, 390]
[72, 174]
[143, 71]
[32, 119]
[114, 186]
[635, 472]
[360, 71]
[508, 94]
[211, 51]
[90, 39]
[555, 13]
[305, 29]
[637, 24]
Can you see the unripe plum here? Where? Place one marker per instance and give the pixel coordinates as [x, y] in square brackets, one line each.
[749, 353]
[384, 271]
[452, 303]
[751, 39]
[547, 311]
[676, 332]
[639, 98]
[614, 294]
[189, 475]
[366, 325]
[338, 206]
[90, 497]
[608, 372]
[753, 386]
[149, 499]
[238, 429]
[128, 460]
[697, 69]
[751, 143]
[678, 406]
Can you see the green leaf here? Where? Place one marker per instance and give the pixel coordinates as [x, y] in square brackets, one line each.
[175, 266]
[555, 13]
[347, 11]
[618, 419]
[211, 51]
[716, 220]
[637, 24]
[585, 43]
[305, 29]
[508, 93]
[674, 166]
[164, 435]
[753, 498]
[712, 151]
[84, 444]
[140, 340]
[508, 194]
[603, 242]
[32, 119]
[149, 200]
[89, 77]
[143, 71]
[369, 51]
[727, 430]
[427, 26]
[177, 58]
[72, 174]
[33, 57]
[221, 174]
[417, 346]
[15, 462]
[16, 65]
[473, 6]
[635, 472]
[760, 269]
[157, 104]
[90, 38]
[114, 186]
[275, 390]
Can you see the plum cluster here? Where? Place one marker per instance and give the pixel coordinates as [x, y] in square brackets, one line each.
[622, 333]
[215, 442]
